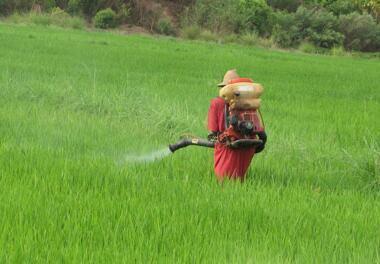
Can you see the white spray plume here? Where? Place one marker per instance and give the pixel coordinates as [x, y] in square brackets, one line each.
[147, 158]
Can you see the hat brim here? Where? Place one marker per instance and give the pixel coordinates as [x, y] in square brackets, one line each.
[221, 84]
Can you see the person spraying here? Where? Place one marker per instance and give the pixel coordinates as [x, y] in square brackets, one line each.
[236, 129]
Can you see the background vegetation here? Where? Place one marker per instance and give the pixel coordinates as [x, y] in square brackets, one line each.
[74, 105]
[352, 25]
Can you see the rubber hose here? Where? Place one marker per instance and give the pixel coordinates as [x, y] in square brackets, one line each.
[187, 142]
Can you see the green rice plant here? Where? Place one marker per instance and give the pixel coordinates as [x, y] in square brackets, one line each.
[79, 109]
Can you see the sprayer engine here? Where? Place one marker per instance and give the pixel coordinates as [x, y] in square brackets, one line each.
[243, 122]
[243, 125]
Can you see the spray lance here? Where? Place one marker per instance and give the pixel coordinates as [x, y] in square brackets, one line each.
[244, 126]
[191, 141]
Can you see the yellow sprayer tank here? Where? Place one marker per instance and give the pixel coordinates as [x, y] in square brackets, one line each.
[242, 95]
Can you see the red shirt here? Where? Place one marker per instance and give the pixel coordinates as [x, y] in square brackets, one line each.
[232, 163]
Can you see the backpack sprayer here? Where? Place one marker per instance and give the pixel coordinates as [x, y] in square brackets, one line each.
[244, 127]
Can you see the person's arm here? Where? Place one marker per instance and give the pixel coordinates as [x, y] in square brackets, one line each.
[212, 122]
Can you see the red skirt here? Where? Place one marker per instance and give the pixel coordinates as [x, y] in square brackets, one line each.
[231, 163]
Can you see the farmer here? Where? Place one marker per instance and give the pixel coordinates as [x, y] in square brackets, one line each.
[228, 162]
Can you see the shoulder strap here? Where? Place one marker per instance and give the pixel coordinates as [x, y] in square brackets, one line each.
[226, 116]
[261, 117]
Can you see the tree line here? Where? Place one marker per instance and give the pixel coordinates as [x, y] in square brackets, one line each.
[325, 24]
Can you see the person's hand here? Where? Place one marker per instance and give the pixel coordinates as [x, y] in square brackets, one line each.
[212, 136]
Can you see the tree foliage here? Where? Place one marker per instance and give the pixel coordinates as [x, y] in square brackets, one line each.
[105, 18]
[322, 23]
[361, 32]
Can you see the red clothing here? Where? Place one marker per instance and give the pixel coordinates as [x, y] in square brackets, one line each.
[232, 163]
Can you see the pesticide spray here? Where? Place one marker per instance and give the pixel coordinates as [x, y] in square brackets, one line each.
[166, 151]
[147, 158]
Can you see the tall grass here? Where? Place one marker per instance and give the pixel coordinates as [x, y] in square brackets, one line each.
[74, 103]
[60, 19]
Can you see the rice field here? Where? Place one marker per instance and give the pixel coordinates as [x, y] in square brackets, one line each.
[77, 108]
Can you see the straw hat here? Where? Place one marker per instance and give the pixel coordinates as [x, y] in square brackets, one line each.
[230, 75]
